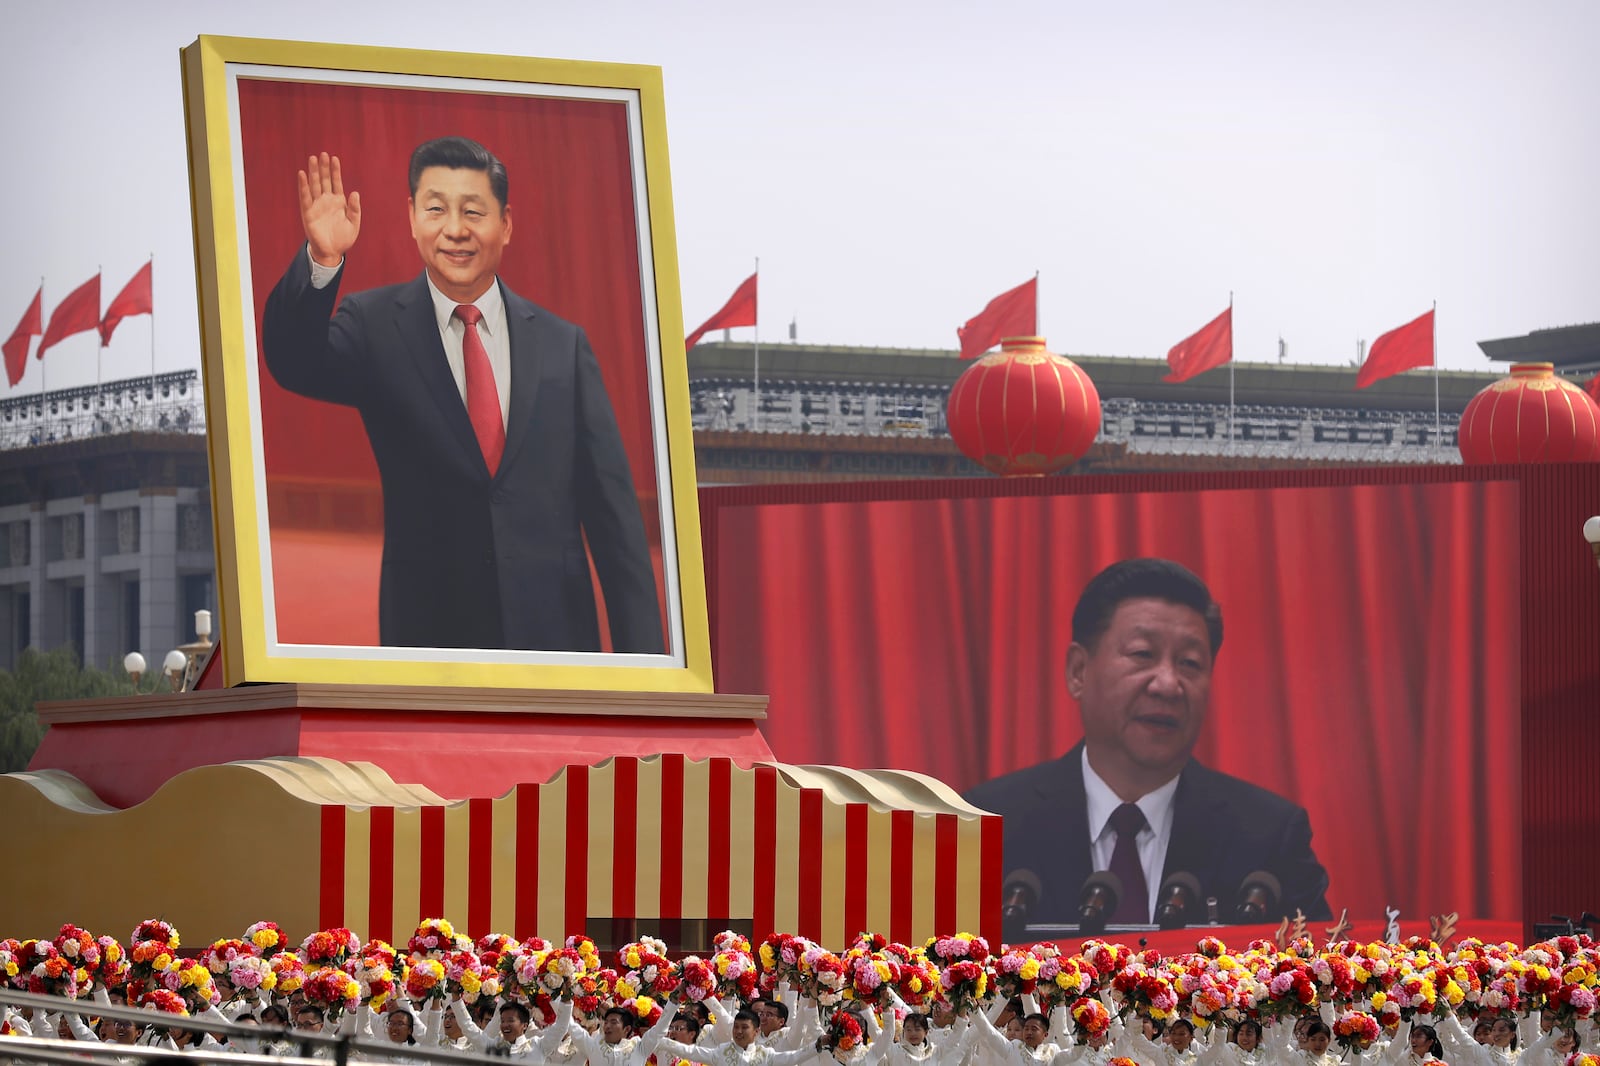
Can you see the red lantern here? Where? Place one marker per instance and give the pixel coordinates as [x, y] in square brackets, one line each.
[1530, 417]
[1024, 410]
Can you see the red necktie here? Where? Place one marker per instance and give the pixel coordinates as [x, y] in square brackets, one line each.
[483, 399]
[1134, 906]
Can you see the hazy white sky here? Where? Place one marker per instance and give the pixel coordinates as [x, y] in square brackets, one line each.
[1339, 167]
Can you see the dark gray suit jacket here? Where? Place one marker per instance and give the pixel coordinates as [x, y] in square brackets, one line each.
[469, 560]
[1222, 830]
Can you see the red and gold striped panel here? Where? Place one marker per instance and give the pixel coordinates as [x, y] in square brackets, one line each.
[819, 851]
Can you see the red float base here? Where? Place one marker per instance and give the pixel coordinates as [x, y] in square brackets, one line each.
[460, 743]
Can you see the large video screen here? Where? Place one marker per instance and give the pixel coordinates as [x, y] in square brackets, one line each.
[1359, 717]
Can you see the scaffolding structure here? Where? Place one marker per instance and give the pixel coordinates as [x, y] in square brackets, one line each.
[155, 403]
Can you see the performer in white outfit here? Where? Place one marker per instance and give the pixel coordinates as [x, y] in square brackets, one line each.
[1042, 1038]
[743, 1050]
[1177, 1049]
[1501, 1050]
[615, 1046]
[1242, 1047]
[1315, 1051]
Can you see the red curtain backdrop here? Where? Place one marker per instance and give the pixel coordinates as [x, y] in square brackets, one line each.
[1368, 671]
[574, 252]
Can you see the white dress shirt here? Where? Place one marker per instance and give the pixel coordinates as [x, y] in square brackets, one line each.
[492, 331]
[1152, 839]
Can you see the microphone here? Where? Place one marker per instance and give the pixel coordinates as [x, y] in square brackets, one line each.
[1097, 901]
[1178, 901]
[1259, 894]
[1021, 894]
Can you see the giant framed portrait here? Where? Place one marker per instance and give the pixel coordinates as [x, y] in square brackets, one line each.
[373, 523]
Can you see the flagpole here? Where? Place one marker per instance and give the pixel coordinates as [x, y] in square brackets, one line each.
[42, 371]
[1230, 375]
[755, 417]
[1438, 423]
[100, 350]
[153, 325]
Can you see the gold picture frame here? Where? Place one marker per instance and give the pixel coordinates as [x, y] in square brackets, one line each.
[285, 550]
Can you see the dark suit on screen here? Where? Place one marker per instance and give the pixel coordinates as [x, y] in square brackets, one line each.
[1223, 829]
[470, 560]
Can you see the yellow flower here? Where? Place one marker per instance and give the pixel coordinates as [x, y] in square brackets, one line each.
[642, 1006]
[1378, 1000]
[1030, 970]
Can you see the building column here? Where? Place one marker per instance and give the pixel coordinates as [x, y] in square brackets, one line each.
[160, 628]
[37, 585]
[99, 597]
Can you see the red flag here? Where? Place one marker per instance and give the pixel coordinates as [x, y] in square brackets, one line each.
[1203, 351]
[1400, 349]
[134, 299]
[16, 346]
[740, 310]
[1593, 388]
[78, 312]
[1014, 313]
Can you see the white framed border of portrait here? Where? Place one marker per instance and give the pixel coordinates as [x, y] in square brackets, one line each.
[251, 650]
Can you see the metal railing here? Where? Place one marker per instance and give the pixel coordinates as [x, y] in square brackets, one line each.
[158, 403]
[336, 1049]
[1151, 427]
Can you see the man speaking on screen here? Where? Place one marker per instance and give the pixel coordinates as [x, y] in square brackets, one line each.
[1131, 799]
[496, 443]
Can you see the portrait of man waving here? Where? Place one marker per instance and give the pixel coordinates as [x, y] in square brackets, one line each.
[497, 447]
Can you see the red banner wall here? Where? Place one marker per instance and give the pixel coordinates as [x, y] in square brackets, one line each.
[1369, 670]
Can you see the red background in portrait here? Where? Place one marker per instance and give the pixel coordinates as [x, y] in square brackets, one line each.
[1369, 668]
[574, 251]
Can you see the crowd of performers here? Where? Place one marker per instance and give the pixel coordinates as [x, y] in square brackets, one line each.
[786, 1001]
